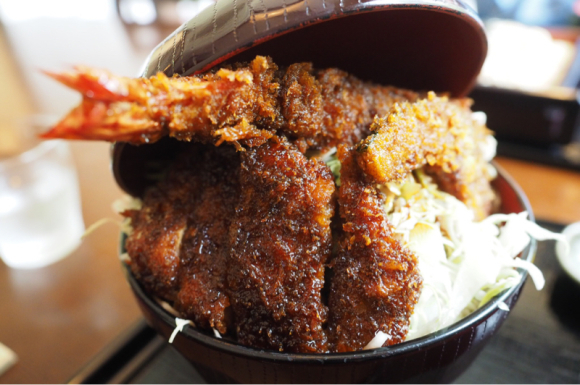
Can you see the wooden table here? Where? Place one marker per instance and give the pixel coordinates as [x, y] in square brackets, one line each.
[57, 318]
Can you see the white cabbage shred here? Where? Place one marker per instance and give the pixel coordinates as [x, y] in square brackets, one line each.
[333, 163]
[179, 325]
[120, 205]
[378, 340]
[167, 307]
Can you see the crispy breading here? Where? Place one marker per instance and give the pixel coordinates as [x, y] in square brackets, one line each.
[436, 132]
[281, 239]
[154, 249]
[329, 107]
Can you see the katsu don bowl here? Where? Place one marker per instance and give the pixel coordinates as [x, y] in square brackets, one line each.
[312, 198]
[438, 357]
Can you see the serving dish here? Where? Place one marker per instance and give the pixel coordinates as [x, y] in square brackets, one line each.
[436, 45]
[438, 357]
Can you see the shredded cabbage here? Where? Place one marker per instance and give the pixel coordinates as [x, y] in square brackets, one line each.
[126, 202]
[124, 257]
[98, 224]
[123, 204]
[167, 307]
[464, 263]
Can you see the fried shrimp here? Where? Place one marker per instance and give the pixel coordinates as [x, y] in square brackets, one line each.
[436, 132]
[247, 104]
[224, 104]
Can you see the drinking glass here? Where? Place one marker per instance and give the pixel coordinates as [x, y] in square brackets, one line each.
[40, 213]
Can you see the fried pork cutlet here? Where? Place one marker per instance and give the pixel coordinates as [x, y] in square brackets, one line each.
[436, 132]
[280, 240]
[205, 247]
[180, 239]
[251, 103]
[154, 244]
[157, 231]
[376, 282]
[326, 108]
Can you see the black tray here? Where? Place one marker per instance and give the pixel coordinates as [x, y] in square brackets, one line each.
[538, 343]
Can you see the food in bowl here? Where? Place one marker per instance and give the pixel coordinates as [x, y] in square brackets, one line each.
[342, 216]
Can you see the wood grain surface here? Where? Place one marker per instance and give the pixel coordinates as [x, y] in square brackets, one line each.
[554, 193]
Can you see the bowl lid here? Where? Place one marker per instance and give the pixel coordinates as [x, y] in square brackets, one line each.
[437, 45]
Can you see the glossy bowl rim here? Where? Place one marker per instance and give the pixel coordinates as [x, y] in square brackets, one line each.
[424, 342]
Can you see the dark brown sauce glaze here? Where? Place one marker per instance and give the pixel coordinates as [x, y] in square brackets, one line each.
[180, 240]
[281, 240]
[205, 247]
[158, 227]
[154, 244]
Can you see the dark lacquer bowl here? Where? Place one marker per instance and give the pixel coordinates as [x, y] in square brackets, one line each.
[435, 45]
[438, 357]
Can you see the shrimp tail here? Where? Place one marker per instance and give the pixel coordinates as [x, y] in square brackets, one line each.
[116, 108]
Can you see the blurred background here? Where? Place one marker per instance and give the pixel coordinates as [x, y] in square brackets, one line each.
[528, 84]
[528, 87]
[57, 34]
